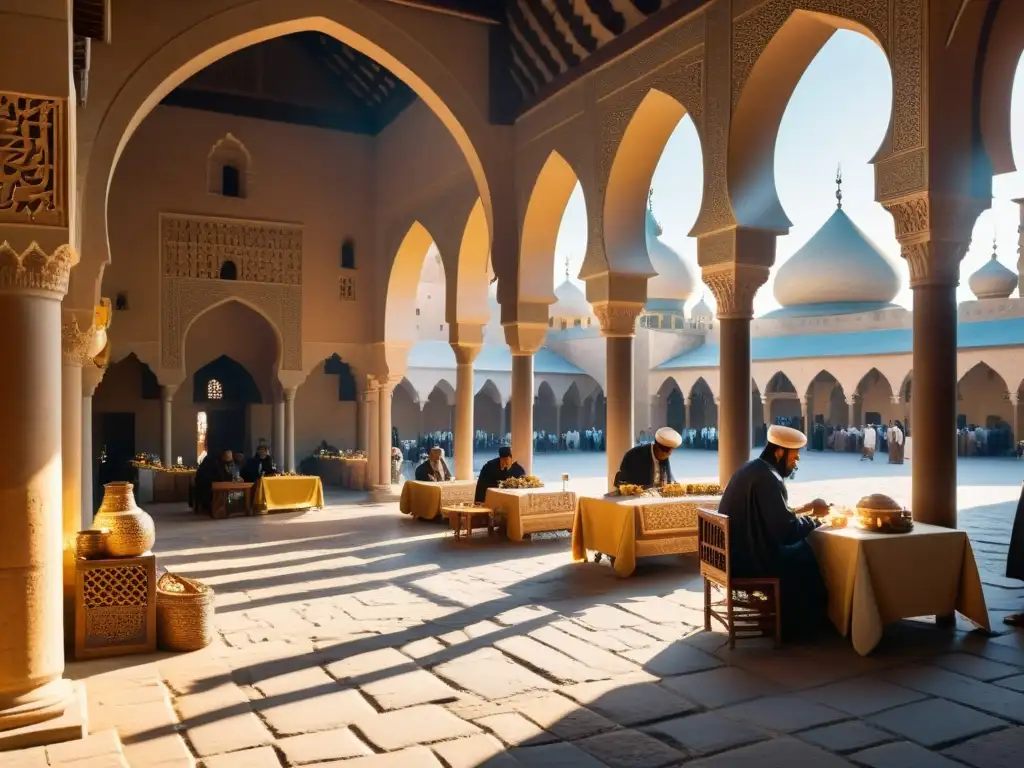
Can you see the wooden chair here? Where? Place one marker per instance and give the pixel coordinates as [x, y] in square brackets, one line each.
[750, 607]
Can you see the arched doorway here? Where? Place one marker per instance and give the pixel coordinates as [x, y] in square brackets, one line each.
[545, 417]
[487, 414]
[703, 410]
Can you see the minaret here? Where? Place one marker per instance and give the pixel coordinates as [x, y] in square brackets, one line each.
[567, 268]
[1020, 248]
[839, 187]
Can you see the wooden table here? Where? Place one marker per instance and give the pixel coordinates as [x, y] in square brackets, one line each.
[875, 579]
[425, 500]
[532, 510]
[221, 492]
[628, 527]
[462, 519]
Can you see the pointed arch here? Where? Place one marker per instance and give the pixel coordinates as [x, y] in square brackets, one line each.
[228, 152]
[444, 388]
[400, 302]
[764, 93]
[1002, 59]
[625, 199]
[544, 211]
[470, 302]
[490, 390]
[778, 383]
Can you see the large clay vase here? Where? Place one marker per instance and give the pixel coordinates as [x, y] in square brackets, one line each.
[132, 532]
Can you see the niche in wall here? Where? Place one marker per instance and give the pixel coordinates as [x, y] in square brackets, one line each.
[229, 168]
[346, 381]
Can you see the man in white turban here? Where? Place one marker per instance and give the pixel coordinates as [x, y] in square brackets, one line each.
[767, 538]
[435, 468]
[648, 464]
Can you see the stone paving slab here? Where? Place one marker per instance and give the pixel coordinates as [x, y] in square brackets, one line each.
[352, 636]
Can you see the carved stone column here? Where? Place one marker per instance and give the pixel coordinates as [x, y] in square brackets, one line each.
[76, 345]
[1015, 410]
[32, 284]
[289, 428]
[851, 404]
[167, 423]
[805, 414]
[92, 375]
[465, 354]
[524, 339]
[688, 410]
[277, 447]
[618, 326]
[373, 433]
[385, 392]
[934, 234]
[734, 285]
[1020, 248]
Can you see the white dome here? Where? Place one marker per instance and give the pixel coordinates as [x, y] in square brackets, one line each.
[571, 303]
[701, 310]
[993, 280]
[839, 264]
[674, 280]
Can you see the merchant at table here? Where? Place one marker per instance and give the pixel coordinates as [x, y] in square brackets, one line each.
[648, 464]
[435, 468]
[496, 470]
[768, 539]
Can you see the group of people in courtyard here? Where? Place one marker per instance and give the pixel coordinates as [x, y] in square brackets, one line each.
[230, 466]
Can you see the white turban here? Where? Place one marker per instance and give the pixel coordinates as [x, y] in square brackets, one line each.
[786, 437]
[668, 437]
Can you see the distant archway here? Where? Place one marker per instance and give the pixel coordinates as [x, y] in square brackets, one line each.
[703, 409]
[545, 416]
[571, 408]
[400, 304]
[487, 409]
[439, 409]
[983, 399]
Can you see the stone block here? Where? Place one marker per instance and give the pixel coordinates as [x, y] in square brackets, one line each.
[625, 748]
[559, 755]
[783, 714]
[320, 710]
[337, 744]
[1002, 749]
[414, 757]
[415, 725]
[784, 752]
[585, 652]
[666, 659]
[863, 696]
[407, 689]
[489, 673]
[902, 754]
[975, 666]
[707, 733]
[721, 687]
[561, 716]
[935, 722]
[480, 751]
[262, 757]
[846, 737]
[628, 703]
[556, 665]
[515, 730]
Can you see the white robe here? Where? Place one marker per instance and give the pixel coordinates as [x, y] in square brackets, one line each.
[869, 438]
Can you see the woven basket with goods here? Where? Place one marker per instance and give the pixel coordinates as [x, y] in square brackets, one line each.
[184, 613]
[528, 481]
[627, 489]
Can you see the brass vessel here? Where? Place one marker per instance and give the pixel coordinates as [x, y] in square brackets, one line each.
[92, 544]
[132, 531]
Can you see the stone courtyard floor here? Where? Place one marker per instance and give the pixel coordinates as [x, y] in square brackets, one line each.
[354, 636]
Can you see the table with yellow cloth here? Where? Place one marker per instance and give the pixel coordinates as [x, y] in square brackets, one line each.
[628, 527]
[532, 510]
[278, 492]
[354, 474]
[425, 500]
[874, 579]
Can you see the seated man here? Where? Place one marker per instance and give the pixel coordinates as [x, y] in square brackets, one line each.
[260, 465]
[434, 469]
[215, 468]
[648, 464]
[767, 539]
[1015, 558]
[496, 470]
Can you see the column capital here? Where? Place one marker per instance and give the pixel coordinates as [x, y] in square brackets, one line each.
[289, 394]
[92, 375]
[764, 399]
[36, 272]
[76, 344]
[934, 233]
[1014, 398]
[617, 318]
[167, 391]
[895, 399]
[734, 286]
[382, 382]
[465, 354]
[525, 338]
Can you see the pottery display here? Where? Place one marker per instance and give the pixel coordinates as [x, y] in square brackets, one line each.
[132, 532]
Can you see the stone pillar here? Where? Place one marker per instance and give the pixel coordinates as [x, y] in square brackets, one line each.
[504, 423]
[277, 430]
[558, 422]
[373, 426]
[76, 346]
[934, 234]
[32, 284]
[289, 428]
[805, 414]
[385, 391]
[166, 421]
[851, 403]
[618, 326]
[734, 284]
[688, 411]
[465, 354]
[92, 375]
[1015, 407]
[1020, 248]
[524, 339]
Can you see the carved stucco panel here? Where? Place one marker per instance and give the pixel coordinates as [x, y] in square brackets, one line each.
[908, 76]
[185, 299]
[33, 160]
[753, 30]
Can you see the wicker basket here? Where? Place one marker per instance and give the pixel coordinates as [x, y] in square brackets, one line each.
[91, 544]
[184, 614]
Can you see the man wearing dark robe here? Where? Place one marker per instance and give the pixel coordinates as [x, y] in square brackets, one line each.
[496, 470]
[215, 468]
[768, 539]
[1015, 557]
[434, 469]
[260, 465]
[648, 464]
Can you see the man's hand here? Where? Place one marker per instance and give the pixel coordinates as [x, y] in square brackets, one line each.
[819, 508]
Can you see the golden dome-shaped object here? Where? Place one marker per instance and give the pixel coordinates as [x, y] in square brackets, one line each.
[132, 532]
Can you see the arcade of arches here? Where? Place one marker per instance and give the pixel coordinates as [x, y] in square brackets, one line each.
[260, 241]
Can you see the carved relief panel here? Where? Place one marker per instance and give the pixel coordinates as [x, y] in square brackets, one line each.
[199, 246]
[32, 160]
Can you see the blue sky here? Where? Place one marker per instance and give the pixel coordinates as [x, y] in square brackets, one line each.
[838, 114]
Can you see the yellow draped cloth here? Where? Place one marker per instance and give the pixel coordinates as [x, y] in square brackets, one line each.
[532, 510]
[277, 492]
[422, 499]
[875, 579]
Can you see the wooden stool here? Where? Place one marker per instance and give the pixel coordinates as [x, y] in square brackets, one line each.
[221, 491]
[462, 519]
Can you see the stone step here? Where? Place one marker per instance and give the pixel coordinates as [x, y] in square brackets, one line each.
[98, 750]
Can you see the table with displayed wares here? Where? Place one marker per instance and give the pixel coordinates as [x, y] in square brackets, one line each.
[425, 499]
[532, 510]
[277, 493]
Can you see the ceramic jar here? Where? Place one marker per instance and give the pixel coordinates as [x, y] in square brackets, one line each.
[132, 532]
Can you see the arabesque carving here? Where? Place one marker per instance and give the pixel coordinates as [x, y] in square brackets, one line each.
[185, 299]
[35, 271]
[32, 163]
[734, 287]
[262, 252]
[75, 342]
[617, 320]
